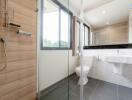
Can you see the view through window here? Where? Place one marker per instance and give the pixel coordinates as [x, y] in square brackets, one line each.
[56, 26]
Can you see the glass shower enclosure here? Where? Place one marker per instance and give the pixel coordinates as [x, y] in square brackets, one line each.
[57, 60]
[55, 68]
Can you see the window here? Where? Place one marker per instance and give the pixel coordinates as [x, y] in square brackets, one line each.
[86, 35]
[56, 26]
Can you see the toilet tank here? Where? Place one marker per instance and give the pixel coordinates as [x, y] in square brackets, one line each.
[88, 60]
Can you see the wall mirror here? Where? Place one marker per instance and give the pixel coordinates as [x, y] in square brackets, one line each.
[110, 22]
[107, 23]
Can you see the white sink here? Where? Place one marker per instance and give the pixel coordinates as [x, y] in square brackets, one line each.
[119, 59]
[119, 62]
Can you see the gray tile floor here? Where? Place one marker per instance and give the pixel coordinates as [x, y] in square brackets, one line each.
[94, 90]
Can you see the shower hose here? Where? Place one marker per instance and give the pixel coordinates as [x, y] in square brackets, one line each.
[5, 55]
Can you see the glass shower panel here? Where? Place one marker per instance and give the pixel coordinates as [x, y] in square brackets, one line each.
[64, 29]
[74, 56]
[53, 50]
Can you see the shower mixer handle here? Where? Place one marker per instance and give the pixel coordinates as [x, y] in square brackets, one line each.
[2, 40]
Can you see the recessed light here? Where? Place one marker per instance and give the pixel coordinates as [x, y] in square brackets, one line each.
[103, 12]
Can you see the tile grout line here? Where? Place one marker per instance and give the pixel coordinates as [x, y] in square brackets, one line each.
[90, 98]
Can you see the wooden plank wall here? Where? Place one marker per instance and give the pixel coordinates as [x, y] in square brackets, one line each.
[18, 80]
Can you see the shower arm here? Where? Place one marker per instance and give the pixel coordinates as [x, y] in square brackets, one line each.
[13, 24]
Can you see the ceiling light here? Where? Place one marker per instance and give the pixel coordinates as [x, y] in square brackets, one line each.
[103, 12]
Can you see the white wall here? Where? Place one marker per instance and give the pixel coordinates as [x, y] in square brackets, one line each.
[54, 66]
[104, 71]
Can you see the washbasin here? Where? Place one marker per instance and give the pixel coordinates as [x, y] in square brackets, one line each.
[119, 59]
[119, 62]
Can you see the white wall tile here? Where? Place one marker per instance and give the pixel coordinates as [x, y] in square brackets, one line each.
[104, 71]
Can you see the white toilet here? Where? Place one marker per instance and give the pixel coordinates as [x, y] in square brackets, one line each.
[87, 63]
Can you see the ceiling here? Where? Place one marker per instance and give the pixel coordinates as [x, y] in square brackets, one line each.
[99, 13]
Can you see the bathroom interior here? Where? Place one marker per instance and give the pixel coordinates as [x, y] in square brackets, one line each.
[65, 49]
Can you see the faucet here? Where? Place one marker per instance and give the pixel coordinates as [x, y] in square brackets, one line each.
[118, 51]
[98, 58]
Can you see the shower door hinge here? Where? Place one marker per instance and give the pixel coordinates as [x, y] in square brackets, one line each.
[37, 96]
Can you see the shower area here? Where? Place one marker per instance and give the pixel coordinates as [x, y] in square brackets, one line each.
[63, 64]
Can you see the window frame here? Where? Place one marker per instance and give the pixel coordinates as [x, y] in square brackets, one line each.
[89, 35]
[61, 7]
